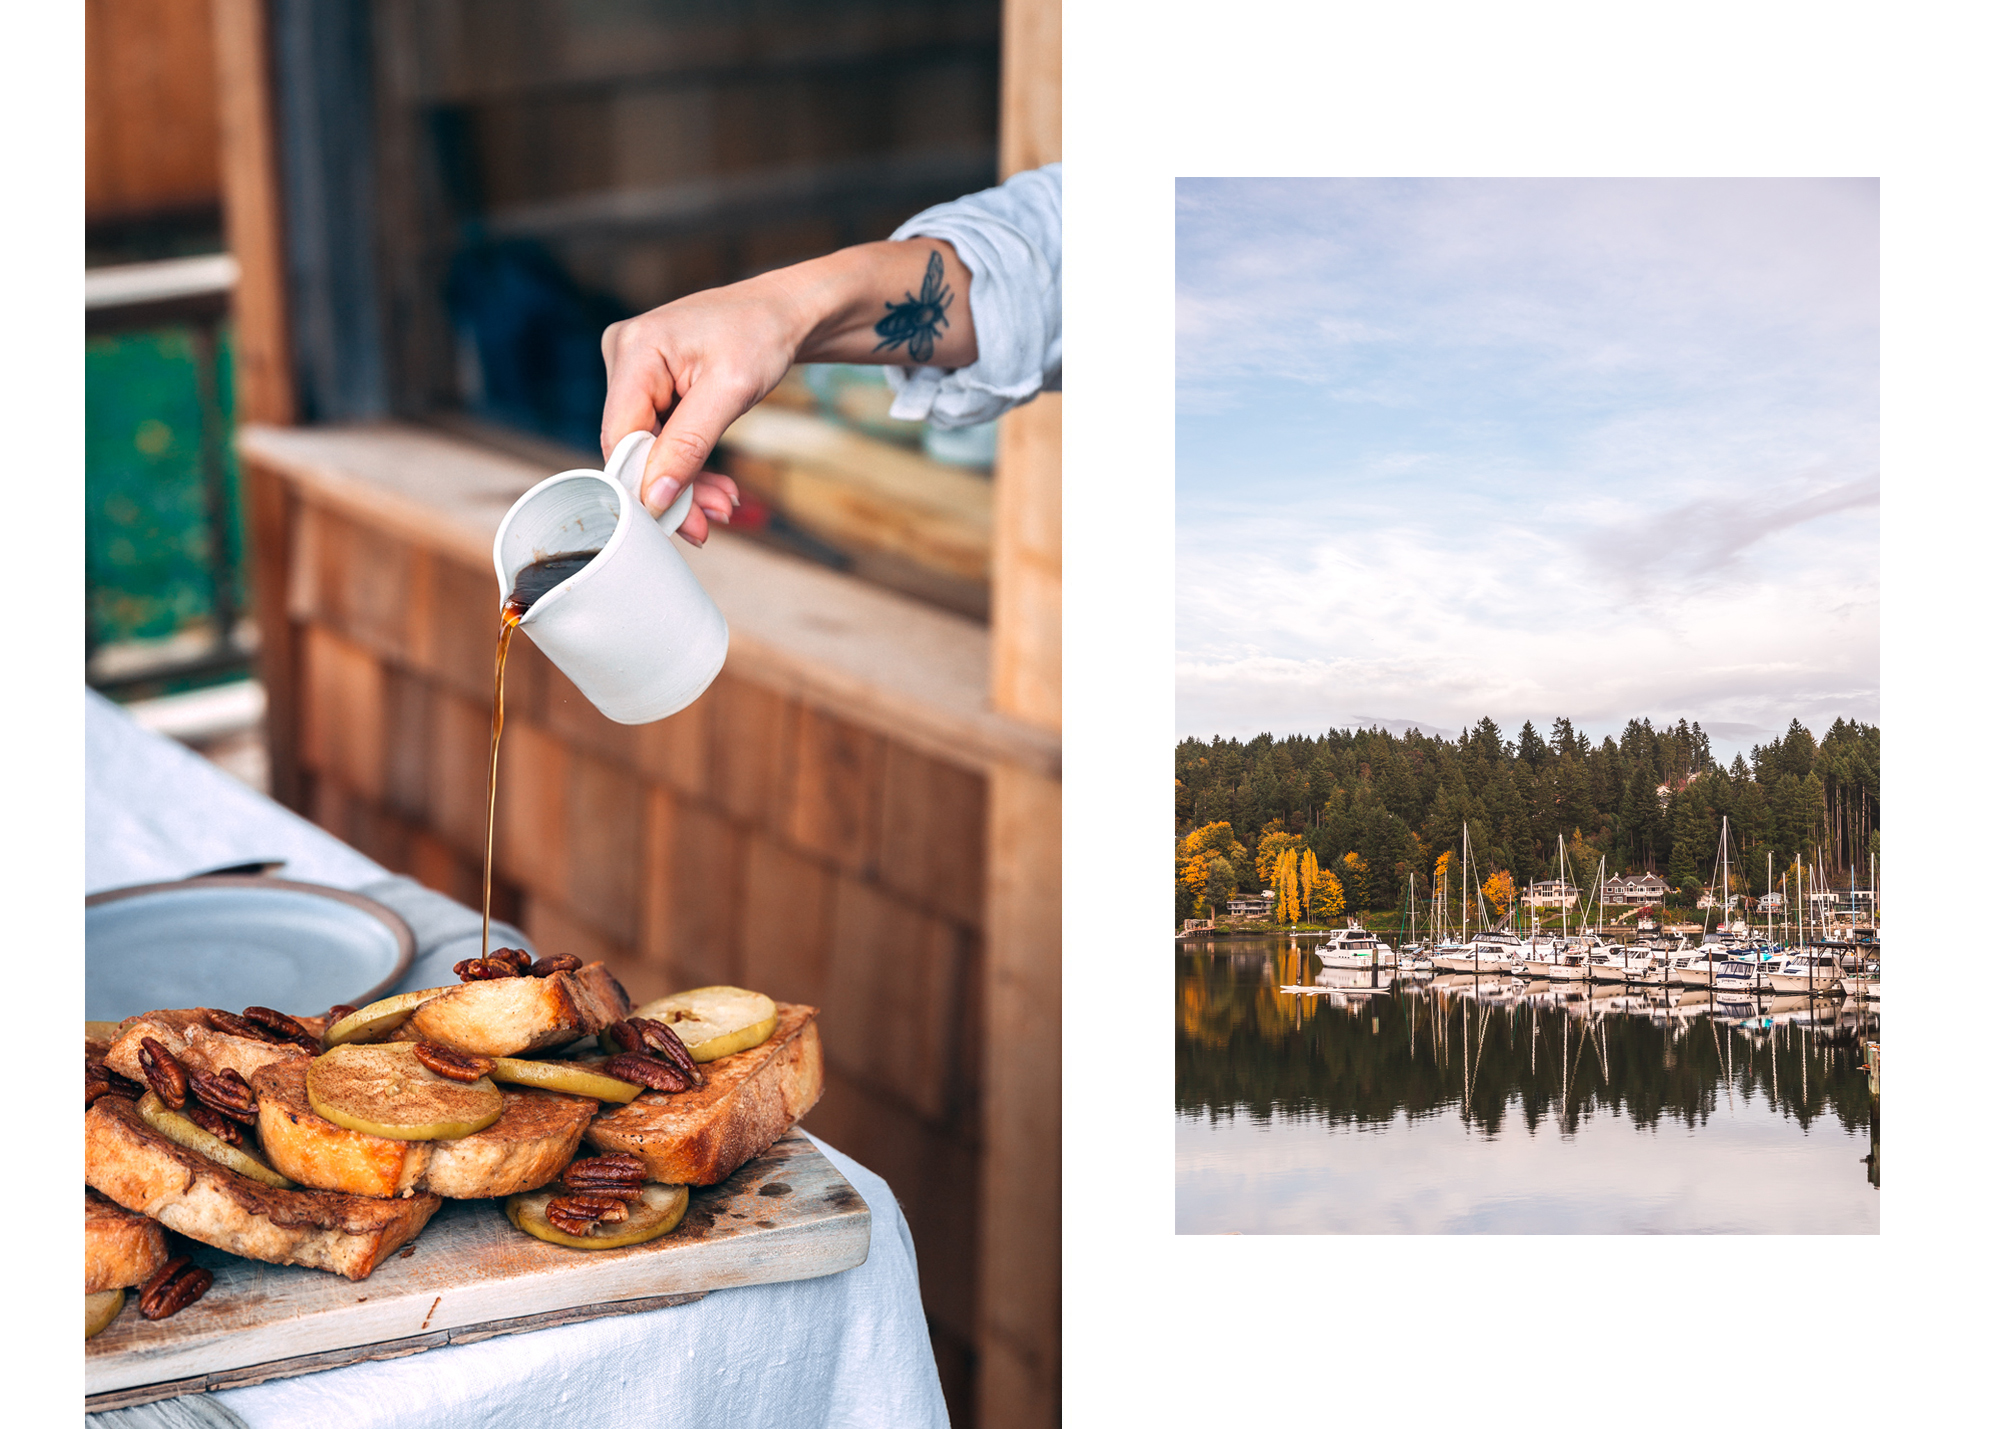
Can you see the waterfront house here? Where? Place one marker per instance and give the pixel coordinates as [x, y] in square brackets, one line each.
[1252, 907]
[1552, 893]
[1638, 888]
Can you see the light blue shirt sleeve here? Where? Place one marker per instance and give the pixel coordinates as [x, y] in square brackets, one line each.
[1010, 238]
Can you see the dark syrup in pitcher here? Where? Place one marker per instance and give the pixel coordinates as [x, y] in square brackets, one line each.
[531, 583]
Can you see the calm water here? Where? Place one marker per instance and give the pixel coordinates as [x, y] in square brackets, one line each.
[1491, 1105]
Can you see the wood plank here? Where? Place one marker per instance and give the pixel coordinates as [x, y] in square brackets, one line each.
[1019, 1371]
[480, 51]
[1030, 84]
[893, 474]
[471, 1270]
[1020, 1265]
[149, 108]
[253, 214]
[387, 1350]
[886, 662]
[1027, 575]
[890, 965]
[272, 513]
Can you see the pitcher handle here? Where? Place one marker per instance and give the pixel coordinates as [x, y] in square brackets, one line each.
[628, 464]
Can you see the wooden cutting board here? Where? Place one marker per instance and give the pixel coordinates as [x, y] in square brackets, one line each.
[785, 1215]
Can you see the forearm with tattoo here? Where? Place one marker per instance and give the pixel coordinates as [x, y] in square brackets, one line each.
[919, 318]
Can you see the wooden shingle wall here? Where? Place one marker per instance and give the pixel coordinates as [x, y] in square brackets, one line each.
[752, 839]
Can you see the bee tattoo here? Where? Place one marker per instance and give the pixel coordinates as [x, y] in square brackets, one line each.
[917, 319]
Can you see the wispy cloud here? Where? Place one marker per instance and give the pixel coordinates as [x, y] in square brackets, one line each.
[1596, 448]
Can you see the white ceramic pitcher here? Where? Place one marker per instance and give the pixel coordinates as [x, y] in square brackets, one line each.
[633, 630]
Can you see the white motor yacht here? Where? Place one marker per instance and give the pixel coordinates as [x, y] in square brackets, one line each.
[1735, 978]
[1355, 947]
[1807, 970]
[1495, 951]
[1866, 983]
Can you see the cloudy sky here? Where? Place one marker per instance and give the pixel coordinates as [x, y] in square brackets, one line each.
[1526, 448]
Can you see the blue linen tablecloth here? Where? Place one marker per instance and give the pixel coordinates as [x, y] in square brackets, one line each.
[846, 1349]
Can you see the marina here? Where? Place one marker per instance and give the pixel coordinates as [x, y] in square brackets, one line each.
[1312, 1097]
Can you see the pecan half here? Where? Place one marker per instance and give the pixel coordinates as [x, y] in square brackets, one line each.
[225, 1092]
[287, 1029]
[554, 963]
[647, 1071]
[239, 1026]
[99, 1080]
[459, 1066]
[577, 1214]
[339, 1011]
[521, 958]
[619, 1174]
[214, 1123]
[164, 1074]
[665, 1043]
[484, 969]
[172, 1288]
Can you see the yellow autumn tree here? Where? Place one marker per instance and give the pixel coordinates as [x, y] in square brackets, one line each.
[1308, 882]
[1196, 856]
[1499, 890]
[1356, 878]
[1193, 872]
[1270, 848]
[1287, 910]
[1327, 899]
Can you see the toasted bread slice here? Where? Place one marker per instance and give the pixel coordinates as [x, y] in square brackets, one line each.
[528, 1146]
[119, 1247]
[144, 1171]
[186, 1033]
[751, 1099]
[505, 1017]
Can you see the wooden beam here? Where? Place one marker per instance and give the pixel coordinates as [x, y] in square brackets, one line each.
[252, 212]
[1030, 84]
[149, 109]
[1020, 1255]
[271, 511]
[1027, 564]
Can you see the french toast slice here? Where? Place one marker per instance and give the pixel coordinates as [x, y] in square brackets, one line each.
[143, 1171]
[750, 1099]
[120, 1248]
[198, 1046]
[535, 1137]
[504, 1017]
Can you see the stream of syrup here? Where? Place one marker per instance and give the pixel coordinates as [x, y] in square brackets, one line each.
[530, 585]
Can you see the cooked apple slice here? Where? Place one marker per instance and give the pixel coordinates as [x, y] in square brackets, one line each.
[100, 1031]
[567, 1077]
[384, 1090]
[101, 1309]
[715, 1021]
[378, 1019]
[658, 1210]
[171, 1124]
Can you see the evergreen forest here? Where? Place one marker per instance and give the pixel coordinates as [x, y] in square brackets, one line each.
[1340, 822]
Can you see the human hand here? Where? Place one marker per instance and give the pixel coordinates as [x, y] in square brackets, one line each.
[699, 363]
[686, 370]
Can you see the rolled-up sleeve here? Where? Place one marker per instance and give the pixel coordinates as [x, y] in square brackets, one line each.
[1010, 238]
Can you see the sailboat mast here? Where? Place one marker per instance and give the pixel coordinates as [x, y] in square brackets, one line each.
[1464, 905]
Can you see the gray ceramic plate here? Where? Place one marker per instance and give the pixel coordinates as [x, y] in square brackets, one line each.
[236, 942]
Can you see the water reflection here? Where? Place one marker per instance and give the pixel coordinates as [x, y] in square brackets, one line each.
[1270, 1044]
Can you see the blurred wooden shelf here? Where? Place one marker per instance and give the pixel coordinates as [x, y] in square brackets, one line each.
[856, 491]
[887, 662]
